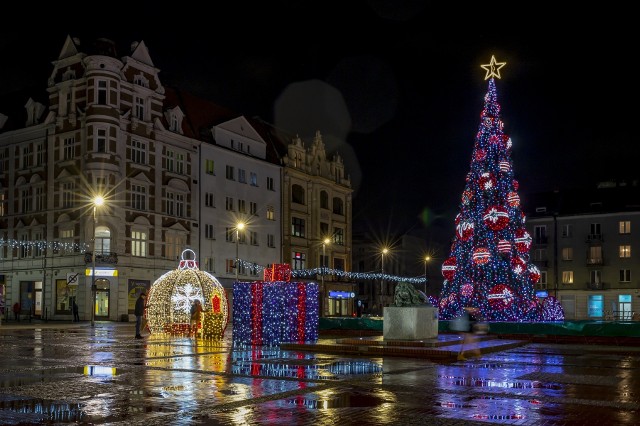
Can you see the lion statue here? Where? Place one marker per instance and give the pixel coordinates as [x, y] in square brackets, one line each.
[407, 295]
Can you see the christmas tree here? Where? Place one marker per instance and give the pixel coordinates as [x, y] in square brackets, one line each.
[488, 269]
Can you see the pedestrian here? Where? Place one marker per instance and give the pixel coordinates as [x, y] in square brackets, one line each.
[462, 325]
[27, 307]
[139, 312]
[16, 311]
[196, 317]
[74, 308]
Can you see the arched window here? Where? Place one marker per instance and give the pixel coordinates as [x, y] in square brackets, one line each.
[103, 240]
[297, 194]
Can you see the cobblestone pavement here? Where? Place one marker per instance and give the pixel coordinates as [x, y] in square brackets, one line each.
[78, 374]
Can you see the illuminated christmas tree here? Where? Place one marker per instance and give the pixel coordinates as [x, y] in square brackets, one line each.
[488, 268]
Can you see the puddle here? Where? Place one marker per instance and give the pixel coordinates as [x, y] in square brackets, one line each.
[491, 383]
[342, 400]
[46, 411]
[52, 375]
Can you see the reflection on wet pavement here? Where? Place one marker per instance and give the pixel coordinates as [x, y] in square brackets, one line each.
[102, 376]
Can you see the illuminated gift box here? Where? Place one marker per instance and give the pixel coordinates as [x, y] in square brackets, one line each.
[274, 312]
[278, 272]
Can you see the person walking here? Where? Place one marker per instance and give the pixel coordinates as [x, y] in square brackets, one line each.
[139, 312]
[196, 317]
[74, 308]
[16, 311]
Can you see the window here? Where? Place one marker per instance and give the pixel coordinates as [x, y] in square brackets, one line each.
[66, 246]
[540, 234]
[271, 213]
[3, 204]
[253, 238]
[543, 277]
[338, 206]
[173, 245]
[595, 255]
[595, 231]
[242, 206]
[169, 161]
[338, 264]
[271, 240]
[209, 200]
[298, 260]
[139, 108]
[540, 255]
[138, 243]
[567, 277]
[595, 304]
[324, 199]
[324, 230]
[595, 277]
[567, 253]
[68, 148]
[138, 197]
[170, 204]
[103, 240]
[253, 179]
[101, 140]
[242, 236]
[208, 167]
[625, 251]
[567, 231]
[208, 232]
[27, 157]
[40, 198]
[242, 176]
[138, 152]
[38, 248]
[68, 189]
[625, 275]
[27, 201]
[297, 194]
[270, 184]
[625, 226]
[180, 205]
[230, 234]
[102, 92]
[297, 227]
[338, 236]
[229, 266]
[229, 203]
[179, 163]
[253, 208]
[40, 155]
[229, 173]
[210, 264]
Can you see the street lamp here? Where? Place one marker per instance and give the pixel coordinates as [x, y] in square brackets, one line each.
[384, 251]
[97, 202]
[239, 227]
[426, 261]
[324, 244]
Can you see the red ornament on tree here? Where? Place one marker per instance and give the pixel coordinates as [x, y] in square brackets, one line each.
[496, 218]
[504, 166]
[516, 185]
[481, 154]
[464, 230]
[449, 268]
[494, 139]
[534, 273]
[481, 256]
[518, 265]
[523, 240]
[487, 181]
[500, 297]
[513, 199]
[466, 290]
[467, 196]
[504, 246]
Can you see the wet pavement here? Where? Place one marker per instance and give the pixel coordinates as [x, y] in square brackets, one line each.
[77, 374]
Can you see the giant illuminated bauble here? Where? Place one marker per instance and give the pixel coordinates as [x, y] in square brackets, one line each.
[500, 297]
[487, 181]
[522, 240]
[449, 268]
[518, 265]
[480, 154]
[513, 199]
[171, 296]
[481, 256]
[504, 247]
[466, 290]
[534, 274]
[464, 229]
[496, 218]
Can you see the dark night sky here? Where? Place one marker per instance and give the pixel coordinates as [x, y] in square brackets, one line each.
[395, 86]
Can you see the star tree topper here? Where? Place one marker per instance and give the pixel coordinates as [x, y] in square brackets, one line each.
[493, 68]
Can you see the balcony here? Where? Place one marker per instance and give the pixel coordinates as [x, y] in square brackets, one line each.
[541, 263]
[104, 258]
[541, 240]
[596, 261]
[595, 286]
[594, 238]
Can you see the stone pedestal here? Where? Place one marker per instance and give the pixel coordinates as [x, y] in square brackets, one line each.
[410, 322]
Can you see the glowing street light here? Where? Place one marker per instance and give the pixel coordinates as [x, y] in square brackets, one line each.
[324, 245]
[239, 227]
[426, 262]
[97, 202]
[383, 252]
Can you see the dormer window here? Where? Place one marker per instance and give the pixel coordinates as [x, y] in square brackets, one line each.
[69, 74]
[140, 80]
[34, 112]
[174, 117]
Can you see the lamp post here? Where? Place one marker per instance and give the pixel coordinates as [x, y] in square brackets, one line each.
[97, 202]
[324, 244]
[426, 261]
[384, 251]
[239, 227]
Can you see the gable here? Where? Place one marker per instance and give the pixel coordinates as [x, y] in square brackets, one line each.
[241, 126]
